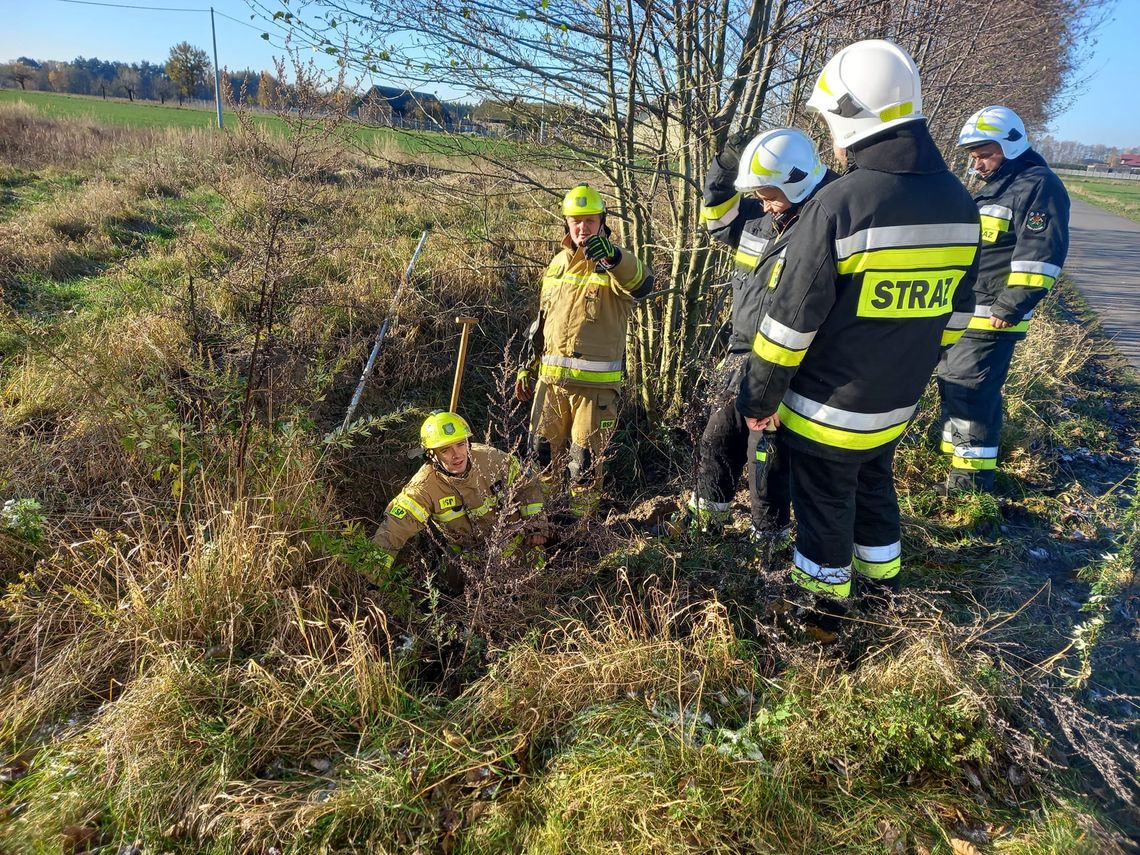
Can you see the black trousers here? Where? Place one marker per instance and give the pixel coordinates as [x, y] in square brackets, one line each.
[847, 520]
[728, 446]
[970, 379]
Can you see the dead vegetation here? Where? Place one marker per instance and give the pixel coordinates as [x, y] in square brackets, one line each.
[192, 657]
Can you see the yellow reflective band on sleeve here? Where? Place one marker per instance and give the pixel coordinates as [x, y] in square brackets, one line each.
[984, 324]
[449, 515]
[908, 258]
[951, 336]
[992, 227]
[771, 352]
[529, 510]
[1031, 280]
[947, 447]
[638, 276]
[957, 462]
[513, 469]
[483, 509]
[715, 212]
[838, 437]
[761, 456]
[406, 503]
[385, 559]
[746, 259]
[878, 569]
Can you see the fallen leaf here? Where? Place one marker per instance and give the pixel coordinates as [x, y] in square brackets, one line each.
[963, 847]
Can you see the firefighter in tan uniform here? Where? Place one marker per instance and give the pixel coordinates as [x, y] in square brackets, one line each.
[576, 348]
[460, 492]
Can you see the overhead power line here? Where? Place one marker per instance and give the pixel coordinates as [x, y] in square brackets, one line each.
[128, 6]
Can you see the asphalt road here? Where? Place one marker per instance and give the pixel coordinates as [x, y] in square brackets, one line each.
[1104, 262]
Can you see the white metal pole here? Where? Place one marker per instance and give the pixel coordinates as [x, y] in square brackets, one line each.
[217, 71]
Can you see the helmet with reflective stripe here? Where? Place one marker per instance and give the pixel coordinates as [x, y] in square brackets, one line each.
[582, 201]
[440, 429]
[996, 124]
[866, 88]
[784, 158]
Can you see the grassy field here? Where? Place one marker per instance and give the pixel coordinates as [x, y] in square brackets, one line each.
[191, 656]
[1120, 197]
[139, 114]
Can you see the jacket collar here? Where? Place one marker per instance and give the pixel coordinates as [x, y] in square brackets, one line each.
[902, 149]
[1011, 168]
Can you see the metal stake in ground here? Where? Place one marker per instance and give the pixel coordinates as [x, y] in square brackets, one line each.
[383, 331]
[461, 362]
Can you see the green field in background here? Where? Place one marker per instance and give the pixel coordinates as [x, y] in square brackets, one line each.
[1120, 197]
[140, 114]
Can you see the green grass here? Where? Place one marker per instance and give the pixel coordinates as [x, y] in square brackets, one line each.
[139, 114]
[228, 684]
[1120, 197]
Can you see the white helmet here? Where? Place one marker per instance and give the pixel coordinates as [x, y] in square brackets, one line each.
[866, 88]
[784, 158]
[996, 124]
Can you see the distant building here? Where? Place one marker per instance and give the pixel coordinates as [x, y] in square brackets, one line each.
[382, 104]
[1130, 160]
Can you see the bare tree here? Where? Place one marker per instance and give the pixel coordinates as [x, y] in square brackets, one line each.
[656, 86]
[21, 73]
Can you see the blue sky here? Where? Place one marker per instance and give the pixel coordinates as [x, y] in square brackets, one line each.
[54, 29]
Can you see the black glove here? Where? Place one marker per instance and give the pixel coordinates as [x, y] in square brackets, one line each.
[730, 157]
[598, 248]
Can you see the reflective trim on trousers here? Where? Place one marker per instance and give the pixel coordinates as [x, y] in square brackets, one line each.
[878, 562]
[832, 581]
[973, 463]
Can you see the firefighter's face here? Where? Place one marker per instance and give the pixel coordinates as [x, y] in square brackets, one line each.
[453, 457]
[583, 227]
[774, 200]
[986, 158]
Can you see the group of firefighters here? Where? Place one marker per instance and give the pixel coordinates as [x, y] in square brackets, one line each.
[849, 291]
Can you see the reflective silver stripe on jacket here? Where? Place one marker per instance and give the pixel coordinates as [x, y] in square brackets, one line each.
[999, 211]
[981, 311]
[1042, 267]
[897, 237]
[581, 364]
[775, 331]
[958, 321]
[846, 419]
[753, 244]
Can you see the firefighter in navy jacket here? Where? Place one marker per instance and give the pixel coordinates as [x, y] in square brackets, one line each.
[1025, 236]
[751, 201]
[877, 278]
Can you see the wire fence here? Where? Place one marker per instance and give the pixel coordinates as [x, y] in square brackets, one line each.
[1108, 176]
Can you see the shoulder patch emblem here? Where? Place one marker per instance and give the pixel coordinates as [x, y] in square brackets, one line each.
[396, 512]
[448, 502]
[1036, 221]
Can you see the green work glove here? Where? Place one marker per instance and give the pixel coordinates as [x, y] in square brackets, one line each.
[598, 248]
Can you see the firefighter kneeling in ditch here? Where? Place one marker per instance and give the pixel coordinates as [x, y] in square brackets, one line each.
[463, 491]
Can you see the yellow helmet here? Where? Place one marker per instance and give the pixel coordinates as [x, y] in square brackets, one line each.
[440, 429]
[582, 201]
